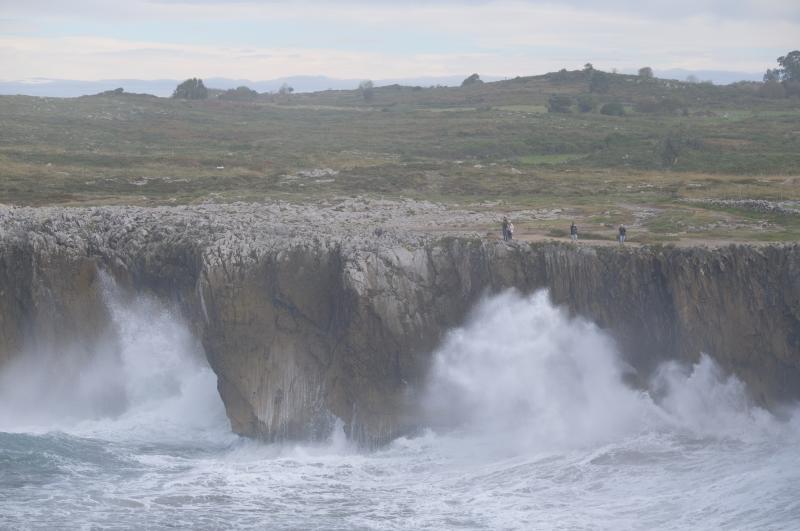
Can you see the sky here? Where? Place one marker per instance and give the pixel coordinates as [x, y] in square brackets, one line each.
[378, 39]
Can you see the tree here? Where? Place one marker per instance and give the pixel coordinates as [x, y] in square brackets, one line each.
[788, 68]
[191, 89]
[586, 103]
[613, 109]
[588, 68]
[560, 103]
[285, 89]
[772, 76]
[367, 89]
[646, 72]
[691, 78]
[474, 79]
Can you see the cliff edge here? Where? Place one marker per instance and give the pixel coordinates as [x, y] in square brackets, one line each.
[310, 314]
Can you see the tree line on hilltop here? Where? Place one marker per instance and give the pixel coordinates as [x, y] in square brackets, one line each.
[780, 82]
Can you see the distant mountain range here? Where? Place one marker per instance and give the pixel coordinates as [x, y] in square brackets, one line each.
[65, 88]
[718, 77]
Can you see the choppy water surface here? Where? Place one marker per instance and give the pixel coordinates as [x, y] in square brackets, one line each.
[534, 429]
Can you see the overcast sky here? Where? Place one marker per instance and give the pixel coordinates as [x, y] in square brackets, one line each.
[149, 39]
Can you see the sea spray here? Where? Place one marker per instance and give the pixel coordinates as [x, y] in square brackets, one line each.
[535, 429]
[146, 377]
[524, 373]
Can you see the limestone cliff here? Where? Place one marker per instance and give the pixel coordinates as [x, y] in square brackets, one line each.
[308, 314]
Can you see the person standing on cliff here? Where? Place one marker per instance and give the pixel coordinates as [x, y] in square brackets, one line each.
[510, 231]
[505, 229]
[573, 232]
[622, 233]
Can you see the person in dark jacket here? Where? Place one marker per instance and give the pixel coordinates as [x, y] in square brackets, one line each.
[505, 229]
[622, 233]
[573, 232]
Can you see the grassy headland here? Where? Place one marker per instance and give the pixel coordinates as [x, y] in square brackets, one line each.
[686, 161]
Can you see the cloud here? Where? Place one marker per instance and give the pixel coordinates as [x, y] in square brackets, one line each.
[92, 58]
[356, 38]
[719, 9]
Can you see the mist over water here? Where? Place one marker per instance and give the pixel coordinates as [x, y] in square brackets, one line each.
[531, 426]
[146, 378]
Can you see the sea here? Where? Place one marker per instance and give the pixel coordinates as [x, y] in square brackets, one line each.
[529, 423]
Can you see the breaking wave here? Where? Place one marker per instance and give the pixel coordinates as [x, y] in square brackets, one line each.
[532, 426]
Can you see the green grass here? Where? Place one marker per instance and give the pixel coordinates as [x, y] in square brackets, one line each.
[493, 143]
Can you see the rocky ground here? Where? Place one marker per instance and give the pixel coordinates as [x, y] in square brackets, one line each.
[347, 219]
[352, 219]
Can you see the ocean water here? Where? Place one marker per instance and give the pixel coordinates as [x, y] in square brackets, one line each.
[531, 427]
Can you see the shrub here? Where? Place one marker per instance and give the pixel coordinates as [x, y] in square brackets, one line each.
[772, 90]
[659, 106]
[560, 103]
[239, 94]
[613, 109]
[599, 83]
[586, 103]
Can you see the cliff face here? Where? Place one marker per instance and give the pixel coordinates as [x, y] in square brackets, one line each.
[308, 316]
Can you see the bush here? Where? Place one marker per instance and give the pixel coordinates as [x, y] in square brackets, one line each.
[675, 144]
[659, 106]
[772, 90]
[613, 109]
[560, 103]
[792, 88]
[239, 94]
[586, 103]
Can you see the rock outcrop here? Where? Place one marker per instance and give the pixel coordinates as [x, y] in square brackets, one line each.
[309, 314]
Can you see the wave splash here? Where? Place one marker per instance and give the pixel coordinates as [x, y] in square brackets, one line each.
[525, 373]
[535, 425]
[146, 379]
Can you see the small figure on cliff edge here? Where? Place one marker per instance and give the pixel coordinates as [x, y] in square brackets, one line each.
[505, 229]
[573, 232]
[622, 233]
[510, 231]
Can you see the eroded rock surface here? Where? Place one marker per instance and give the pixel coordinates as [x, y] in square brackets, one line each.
[312, 313]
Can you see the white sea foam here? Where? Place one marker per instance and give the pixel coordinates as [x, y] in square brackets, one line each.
[523, 372]
[146, 378]
[533, 427]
